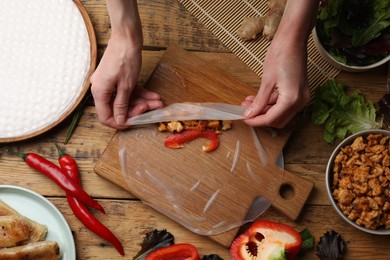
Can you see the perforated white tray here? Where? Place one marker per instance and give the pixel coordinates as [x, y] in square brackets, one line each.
[47, 53]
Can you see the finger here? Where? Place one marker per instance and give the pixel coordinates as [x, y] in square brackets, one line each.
[141, 106]
[273, 116]
[103, 101]
[259, 102]
[154, 104]
[246, 103]
[137, 109]
[261, 119]
[151, 103]
[121, 103]
[250, 98]
[273, 98]
[147, 94]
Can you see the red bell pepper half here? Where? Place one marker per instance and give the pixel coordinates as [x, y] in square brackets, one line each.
[267, 240]
[181, 251]
[177, 140]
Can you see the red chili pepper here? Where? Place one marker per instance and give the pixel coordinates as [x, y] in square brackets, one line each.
[267, 240]
[69, 166]
[175, 252]
[52, 171]
[177, 140]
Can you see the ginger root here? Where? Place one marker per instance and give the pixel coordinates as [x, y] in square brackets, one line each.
[251, 27]
[276, 9]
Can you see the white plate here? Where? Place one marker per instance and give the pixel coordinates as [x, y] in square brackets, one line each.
[41, 210]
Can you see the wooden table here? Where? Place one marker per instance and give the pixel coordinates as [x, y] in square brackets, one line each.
[166, 22]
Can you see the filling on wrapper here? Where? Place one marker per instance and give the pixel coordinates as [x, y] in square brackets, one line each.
[185, 131]
[193, 187]
[178, 126]
[361, 181]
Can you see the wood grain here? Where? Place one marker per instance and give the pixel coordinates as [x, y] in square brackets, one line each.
[164, 22]
[178, 80]
[305, 153]
[135, 219]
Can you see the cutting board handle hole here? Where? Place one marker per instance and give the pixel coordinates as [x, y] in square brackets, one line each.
[286, 191]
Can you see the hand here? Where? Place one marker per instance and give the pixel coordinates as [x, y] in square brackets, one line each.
[114, 84]
[284, 89]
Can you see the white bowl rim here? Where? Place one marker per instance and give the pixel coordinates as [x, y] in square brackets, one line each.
[344, 66]
[329, 177]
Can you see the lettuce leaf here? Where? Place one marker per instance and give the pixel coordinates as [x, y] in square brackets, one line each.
[342, 114]
[374, 30]
[331, 246]
[346, 28]
[154, 240]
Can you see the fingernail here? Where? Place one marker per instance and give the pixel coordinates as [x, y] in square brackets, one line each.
[248, 112]
[120, 120]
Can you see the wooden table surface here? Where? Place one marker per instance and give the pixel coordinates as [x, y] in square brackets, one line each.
[166, 22]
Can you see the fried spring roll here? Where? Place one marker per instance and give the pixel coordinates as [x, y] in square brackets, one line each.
[43, 250]
[38, 231]
[14, 230]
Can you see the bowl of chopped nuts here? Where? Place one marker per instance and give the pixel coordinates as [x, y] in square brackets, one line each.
[358, 180]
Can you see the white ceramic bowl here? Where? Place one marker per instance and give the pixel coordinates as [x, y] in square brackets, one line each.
[329, 180]
[340, 65]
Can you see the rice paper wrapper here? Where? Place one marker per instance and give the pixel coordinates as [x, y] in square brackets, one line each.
[190, 111]
[204, 192]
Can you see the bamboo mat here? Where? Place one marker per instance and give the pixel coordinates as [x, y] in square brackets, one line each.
[223, 17]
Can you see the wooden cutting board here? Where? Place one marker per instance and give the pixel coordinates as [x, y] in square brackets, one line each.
[208, 193]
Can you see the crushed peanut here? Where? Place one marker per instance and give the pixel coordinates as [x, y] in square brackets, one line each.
[361, 176]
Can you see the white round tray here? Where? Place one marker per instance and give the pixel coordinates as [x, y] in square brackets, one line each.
[47, 54]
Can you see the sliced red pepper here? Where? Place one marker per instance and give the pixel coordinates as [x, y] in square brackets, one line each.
[213, 138]
[181, 251]
[267, 240]
[69, 166]
[177, 140]
[54, 172]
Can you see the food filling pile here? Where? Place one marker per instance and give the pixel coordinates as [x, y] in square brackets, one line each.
[185, 131]
[178, 126]
[361, 181]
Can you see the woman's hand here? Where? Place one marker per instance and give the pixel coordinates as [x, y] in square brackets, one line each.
[114, 88]
[114, 83]
[284, 88]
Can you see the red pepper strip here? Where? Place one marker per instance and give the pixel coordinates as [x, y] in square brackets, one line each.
[214, 140]
[267, 240]
[69, 166]
[52, 171]
[177, 140]
[175, 252]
